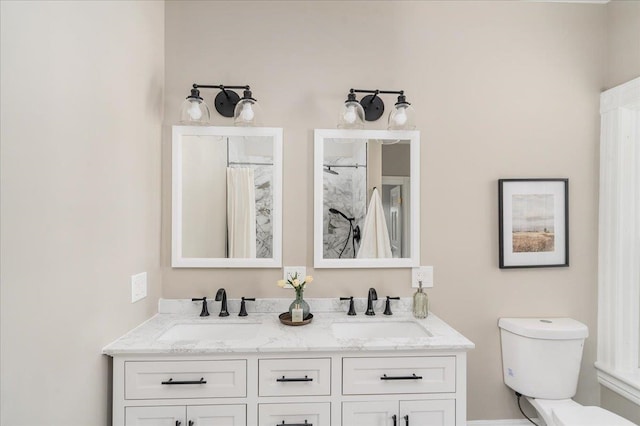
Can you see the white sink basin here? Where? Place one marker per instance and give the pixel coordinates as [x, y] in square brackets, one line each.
[378, 329]
[210, 331]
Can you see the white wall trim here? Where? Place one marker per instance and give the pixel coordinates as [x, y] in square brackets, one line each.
[618, 359]
[624, 385]
[505, 422]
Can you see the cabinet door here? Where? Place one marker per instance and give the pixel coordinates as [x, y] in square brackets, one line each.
[435, 412]
[375, 413]
[155, 416]
[316, 414]
[217, 415]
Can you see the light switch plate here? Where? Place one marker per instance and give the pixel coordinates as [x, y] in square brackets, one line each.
[138, 286]
[290, 272]
[424, 274]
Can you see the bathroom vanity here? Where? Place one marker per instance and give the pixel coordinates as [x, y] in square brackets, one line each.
[179, 369]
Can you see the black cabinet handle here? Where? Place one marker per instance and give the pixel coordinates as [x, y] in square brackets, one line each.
[295, 379]
[202, 381]
[178, 422]
[412, 377]
[406, 419]
[191, 423]
[294, 424]
[395, 420]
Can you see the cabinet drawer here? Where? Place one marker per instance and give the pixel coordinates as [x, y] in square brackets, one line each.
[185, 379]
[314, 414]
[294, 377]
[371, 376]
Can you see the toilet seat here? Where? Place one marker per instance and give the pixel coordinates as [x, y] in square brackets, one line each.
[578, 415]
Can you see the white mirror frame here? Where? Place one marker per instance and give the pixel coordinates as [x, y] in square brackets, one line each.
[414, 137]
[177, 261]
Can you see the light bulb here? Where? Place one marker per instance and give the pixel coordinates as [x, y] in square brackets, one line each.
[247, 113]
[401, 116]
[350, 114]
[194, 110]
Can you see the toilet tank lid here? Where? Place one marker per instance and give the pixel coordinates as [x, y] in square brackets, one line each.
[545, 328]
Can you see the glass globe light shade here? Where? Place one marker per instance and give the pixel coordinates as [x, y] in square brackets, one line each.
[247, 113]
[403, 117]
[194, 111]
[351, 116]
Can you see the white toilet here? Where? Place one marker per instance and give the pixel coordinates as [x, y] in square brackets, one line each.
[541, 360]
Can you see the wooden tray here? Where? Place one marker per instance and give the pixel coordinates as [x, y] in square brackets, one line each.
[285, 318]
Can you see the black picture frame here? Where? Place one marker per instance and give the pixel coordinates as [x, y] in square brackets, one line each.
[533, 223]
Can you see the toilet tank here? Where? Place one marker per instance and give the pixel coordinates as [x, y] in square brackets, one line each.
[541, 356]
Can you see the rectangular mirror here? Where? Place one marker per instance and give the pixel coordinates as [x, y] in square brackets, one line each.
[226, 197]
[366, 198]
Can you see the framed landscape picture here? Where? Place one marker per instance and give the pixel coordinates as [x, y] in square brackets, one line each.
[534, 222]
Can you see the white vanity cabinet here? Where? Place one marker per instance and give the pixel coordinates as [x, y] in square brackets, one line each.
[372, 388]
[259, 372]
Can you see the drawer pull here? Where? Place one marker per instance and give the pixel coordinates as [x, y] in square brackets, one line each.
[202, 381]
[395, 420]
[178, 422]
[191, 423]
[294, 424]
[295, 379]
[412, 377]
[406, 419]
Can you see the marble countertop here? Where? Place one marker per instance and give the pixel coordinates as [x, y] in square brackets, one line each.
[271, 336]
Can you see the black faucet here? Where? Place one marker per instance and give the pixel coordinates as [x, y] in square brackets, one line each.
[387, 305]
[243, 307]
[221, 296]
[205, 311]
[352, 309]
[370, 298]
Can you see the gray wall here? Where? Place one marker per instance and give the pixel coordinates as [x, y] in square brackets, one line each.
[502, 89]
[623, 42]
[81, 109]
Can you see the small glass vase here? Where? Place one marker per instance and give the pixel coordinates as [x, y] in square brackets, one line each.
[300, 302]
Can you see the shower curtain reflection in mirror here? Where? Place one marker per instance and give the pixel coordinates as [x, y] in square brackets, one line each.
[227, 197]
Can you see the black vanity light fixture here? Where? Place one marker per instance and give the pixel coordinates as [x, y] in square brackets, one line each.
[371, 108]
[245, 111]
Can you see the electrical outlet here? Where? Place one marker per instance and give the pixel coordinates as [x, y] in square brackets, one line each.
[138, 287]
[424, 274]
[290, 272]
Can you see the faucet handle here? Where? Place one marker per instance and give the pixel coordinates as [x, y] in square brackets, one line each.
[243, 307]
[352, 309]
[205, 311]
[387, 306]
